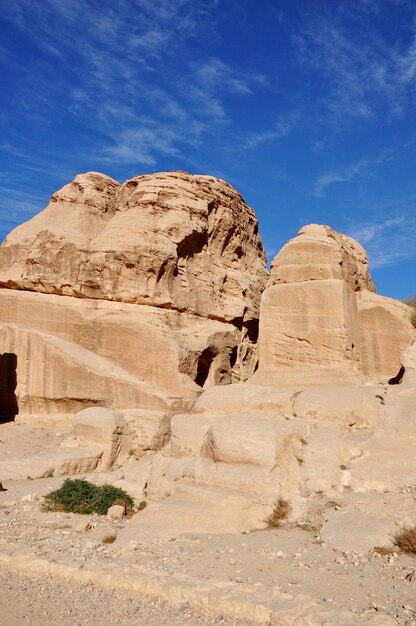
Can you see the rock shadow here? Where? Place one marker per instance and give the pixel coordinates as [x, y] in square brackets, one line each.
[8, 381]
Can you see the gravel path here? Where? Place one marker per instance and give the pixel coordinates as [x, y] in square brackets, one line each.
[44, 601]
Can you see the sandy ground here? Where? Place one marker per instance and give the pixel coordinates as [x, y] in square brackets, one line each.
[288, 569]
[45, 601]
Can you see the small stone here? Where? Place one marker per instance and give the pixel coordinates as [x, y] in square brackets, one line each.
[116, 512]
[82, 527]
[30, 497]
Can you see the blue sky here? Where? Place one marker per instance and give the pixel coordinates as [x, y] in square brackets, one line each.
[307, 107]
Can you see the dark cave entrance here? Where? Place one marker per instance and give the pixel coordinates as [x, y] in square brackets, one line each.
[204, 366]
[8, 381]
[396, 380]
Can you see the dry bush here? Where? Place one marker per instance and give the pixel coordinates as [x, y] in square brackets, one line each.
[109, 538]
[280, 512]
[383, 551]
[412, 303]
[406, 540]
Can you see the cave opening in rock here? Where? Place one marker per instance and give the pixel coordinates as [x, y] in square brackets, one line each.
[8, 381]
[396, 380]
[233, 356]
[204, 366]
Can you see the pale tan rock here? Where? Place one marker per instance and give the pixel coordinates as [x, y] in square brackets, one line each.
[355, 407]
[107, 355]
[322, 460]
[104, 428]
[170, 240]
[82, 527]
[308, 334]
[232, 399]
[84, 379]
[116, 512]
[249, 439]
[363, 525]
[320, 253]
[408, 361]
[321, 323]
[65, 461]
[197, 508]
[385, 332]
[188, 434]
[388, 459]
[166, 264]
[149, 430]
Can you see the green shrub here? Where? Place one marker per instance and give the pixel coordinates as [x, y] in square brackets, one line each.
[81, 496]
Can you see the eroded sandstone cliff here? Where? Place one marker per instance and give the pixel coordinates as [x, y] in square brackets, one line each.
[158, 279]
[321, 321]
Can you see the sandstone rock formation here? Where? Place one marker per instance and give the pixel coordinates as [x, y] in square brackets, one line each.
[141, 294]
[173, 240]
[166, 264]
[321, 322]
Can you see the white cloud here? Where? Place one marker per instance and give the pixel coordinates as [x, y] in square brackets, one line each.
[218, 76]
[124, 77]
[138, 145]
[363, 74]
[284, 126]
[389, 241]
[363, 168]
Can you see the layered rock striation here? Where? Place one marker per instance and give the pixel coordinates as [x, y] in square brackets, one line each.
[171, 240]
[321, 321]
[142, 292]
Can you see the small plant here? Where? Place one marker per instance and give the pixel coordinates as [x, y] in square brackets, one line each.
[49, 474]
[280, 512]
[142, 505]
[412, 303]
[406, 540]
[110, 538]
[81, 496]
[383, 550]
[381, 399]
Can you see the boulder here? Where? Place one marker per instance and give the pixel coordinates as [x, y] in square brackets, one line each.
[167, 263]
[149, 430]
[170, 240]
[321, 322]
[116, 512]
[105, 429]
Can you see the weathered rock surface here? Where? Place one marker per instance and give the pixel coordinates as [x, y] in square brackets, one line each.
[169, 240]
[148, 292]
[110, 277]
[103, 428]
[320, 321]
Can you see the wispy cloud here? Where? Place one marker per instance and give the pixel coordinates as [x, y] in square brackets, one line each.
[363, 72]
[284, 126]
[363, 168]
[127, 77]
[215, 74]
[390, 240]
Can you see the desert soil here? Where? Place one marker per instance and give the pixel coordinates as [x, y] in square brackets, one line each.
[287, 567]
[45, 601]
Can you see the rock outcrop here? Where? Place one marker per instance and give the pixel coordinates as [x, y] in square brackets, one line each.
[170, 240]
[142, 293]
[119, 303]
[321, 322]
